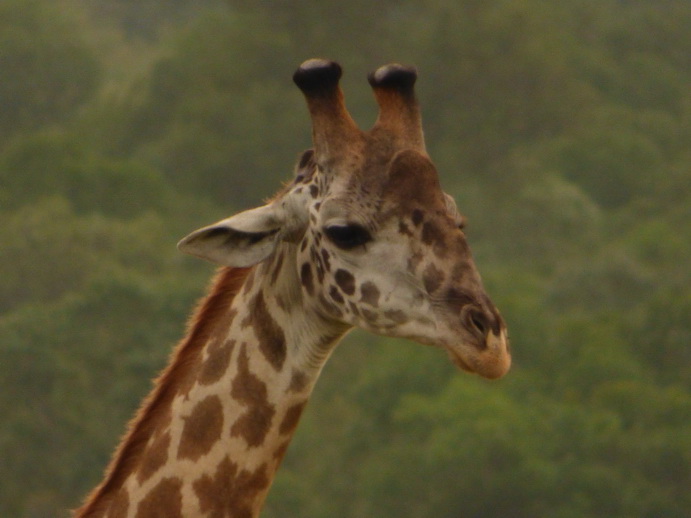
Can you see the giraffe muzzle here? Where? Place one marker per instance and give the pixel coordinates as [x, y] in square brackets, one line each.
[487, 351]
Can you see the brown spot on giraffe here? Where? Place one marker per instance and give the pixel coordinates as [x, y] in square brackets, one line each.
[432, 278]
[345, 281]
[404, 229]
[249, 390]
[370, 316]
[281, 303]
[291, 418]
[163, 501]
[230, 492]
[202, 429]
[305, 160]
[336, 295]
[120, 505]
[460, 271]
[298, 382]
[370, 293]
[458, 299]
[154, 458]
[433, 235]
[165, 419]
[272, 340]
[217, 362]
[353, 308]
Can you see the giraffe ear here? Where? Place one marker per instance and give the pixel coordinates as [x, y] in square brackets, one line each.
[452, 210]
[242, 240]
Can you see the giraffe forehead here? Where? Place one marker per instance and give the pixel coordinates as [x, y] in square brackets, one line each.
[374, 184]
[367, 162]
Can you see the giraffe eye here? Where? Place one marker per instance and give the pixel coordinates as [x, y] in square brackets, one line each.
[348, 236]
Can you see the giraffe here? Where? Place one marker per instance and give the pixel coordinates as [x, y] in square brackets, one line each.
[363, 236]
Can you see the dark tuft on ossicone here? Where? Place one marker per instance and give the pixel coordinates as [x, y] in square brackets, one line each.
[399, 77]
[317, 75]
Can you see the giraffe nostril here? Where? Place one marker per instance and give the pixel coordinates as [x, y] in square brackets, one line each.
[477, 322]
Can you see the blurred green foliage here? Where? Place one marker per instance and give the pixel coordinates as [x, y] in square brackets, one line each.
[562, 129]
[47, 71]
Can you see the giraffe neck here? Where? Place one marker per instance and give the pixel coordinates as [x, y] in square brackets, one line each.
[216, 443]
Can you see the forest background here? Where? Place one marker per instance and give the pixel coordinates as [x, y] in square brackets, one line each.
[562, 128]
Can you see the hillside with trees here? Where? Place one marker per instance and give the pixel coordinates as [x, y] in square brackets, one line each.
[563, 131]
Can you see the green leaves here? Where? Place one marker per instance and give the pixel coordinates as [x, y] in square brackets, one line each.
[47, 69]
[57, 163]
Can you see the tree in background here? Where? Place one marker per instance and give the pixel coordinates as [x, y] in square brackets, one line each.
[47, 71]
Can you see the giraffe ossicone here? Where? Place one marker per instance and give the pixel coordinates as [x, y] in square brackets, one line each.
[364, 236]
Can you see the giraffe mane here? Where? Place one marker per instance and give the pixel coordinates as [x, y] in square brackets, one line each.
[209, 312]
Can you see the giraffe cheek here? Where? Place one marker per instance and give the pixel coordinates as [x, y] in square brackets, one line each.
[370, 317]
[370, 294]
[433, 278]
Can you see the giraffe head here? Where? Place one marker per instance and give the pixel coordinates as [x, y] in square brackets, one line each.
[377, 243]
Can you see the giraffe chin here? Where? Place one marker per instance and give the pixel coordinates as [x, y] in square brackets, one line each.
[458, 362]
[492, 369]
[493, 362]
[489, 370]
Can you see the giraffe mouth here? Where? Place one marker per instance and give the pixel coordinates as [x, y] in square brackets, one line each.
[459, 362]
[490, 359]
